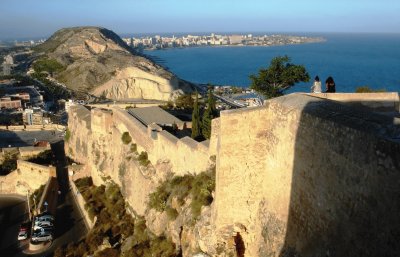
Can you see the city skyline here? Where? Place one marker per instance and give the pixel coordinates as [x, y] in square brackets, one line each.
[24, 19]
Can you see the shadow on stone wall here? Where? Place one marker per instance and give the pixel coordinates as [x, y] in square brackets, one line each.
[345, 192]
[61, 167]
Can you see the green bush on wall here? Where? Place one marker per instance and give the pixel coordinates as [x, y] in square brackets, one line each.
[126, 138]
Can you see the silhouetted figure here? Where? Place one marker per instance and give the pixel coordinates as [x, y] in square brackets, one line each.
[330, 85]
[316, 87]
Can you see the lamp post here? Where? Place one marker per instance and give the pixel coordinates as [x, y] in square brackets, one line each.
[34, 205]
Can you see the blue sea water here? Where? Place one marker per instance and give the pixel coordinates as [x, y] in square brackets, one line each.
[351, 59]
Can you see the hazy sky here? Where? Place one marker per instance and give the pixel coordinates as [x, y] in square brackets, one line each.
[40, 18]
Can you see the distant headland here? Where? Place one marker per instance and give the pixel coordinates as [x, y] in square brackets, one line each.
[161, 42]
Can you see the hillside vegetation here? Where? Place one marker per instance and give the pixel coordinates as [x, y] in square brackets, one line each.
[97, 61]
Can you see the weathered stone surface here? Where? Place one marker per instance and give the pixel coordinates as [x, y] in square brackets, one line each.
[309, 177]
[301, 176]
[99, 62]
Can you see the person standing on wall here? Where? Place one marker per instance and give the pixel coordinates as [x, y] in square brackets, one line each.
[330, 85]
[316, 87]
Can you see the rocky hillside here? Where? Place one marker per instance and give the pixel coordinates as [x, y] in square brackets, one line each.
[98, 61]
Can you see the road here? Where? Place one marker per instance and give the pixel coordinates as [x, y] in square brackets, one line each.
[229, 101]
[27, 138]
[69, 224]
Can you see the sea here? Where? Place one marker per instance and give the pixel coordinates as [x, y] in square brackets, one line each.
[353, 60]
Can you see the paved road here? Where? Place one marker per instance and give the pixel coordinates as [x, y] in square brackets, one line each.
[69, 224]
[27, 138]
[13, 212]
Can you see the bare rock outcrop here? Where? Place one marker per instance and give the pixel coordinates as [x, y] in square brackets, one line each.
[99, 62]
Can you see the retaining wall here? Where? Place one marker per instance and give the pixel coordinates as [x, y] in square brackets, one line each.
[81, 204]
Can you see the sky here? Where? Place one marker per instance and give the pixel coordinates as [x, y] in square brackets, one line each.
[41, 18]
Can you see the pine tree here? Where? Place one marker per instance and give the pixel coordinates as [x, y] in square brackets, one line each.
[278, 77]
[208, 115]
[196, 124]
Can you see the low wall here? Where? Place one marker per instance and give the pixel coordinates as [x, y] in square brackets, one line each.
[27, 176]
[81, 205]
[186, 155]
[127, 105]
[34, 127]
[26, 166]
[29, 151]
[384, 102]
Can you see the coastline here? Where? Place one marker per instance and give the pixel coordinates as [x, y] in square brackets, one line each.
[324, 40]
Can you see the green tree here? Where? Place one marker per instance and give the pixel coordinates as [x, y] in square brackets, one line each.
[48, 65]
[278, 77]
[208, 114]
[184, 102]
[196, 124]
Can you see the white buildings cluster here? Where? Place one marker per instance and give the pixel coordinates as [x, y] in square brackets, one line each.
[159, 42]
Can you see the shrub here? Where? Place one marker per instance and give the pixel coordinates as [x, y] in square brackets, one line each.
[35, 197]
[199, 187]
[202, 187]
[143, 159]
[83, 183]
[67, 135]
[184, 102]
[158, 199]
[126, 138]
[44, 158]
[109, 252]
[133, 148]
[162, 247]
[114, 223]
[171, 213]
[9, 164]
[47, 65]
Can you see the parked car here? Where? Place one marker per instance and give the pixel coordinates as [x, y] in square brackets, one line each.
[23, 231]
[23, 234]
[42, 224]
[42, 237]
[44, 217]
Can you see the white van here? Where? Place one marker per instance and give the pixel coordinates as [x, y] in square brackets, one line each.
[42, 237]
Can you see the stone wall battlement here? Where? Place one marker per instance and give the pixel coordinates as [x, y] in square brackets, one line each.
[185, 155]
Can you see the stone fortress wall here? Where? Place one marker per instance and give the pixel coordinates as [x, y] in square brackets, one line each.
[27, 176]
[185, 155]
[96, 141]
[303, 175]
[309, 177]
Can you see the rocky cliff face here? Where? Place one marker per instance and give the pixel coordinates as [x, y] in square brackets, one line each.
[97, 61]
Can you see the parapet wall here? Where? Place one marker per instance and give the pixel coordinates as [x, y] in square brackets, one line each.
[383, 102]
[308, 177]
[27, 176]
[185, 155]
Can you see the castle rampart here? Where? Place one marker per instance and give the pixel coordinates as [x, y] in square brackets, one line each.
[309, 177]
